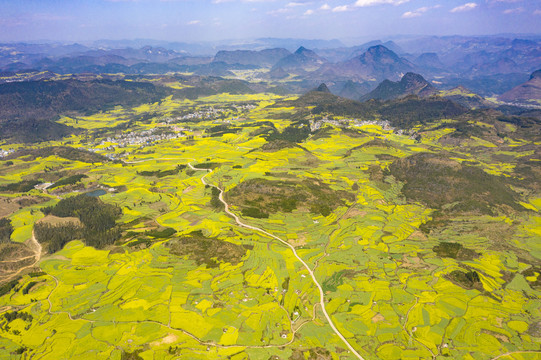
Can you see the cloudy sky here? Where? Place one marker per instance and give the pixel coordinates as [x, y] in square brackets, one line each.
[196, 20]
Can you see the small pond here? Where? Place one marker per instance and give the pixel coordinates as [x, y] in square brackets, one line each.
[96, 193]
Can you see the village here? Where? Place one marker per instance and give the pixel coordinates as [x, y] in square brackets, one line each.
[4, 153]
[142, 138]
[210, 113]
[316, 124]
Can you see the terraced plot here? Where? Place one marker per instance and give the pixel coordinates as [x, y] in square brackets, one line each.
[186, 280]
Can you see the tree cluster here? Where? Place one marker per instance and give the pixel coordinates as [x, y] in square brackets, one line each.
[98, 218]
[56, 236]
[70, 180]
[12, 315]
[296, 132]
[66, 152]
[6, 229]
[21, 186]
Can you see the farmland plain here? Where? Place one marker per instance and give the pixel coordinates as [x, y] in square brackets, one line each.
[409, 266]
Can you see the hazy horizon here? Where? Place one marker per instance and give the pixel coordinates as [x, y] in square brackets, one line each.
[230, 20]
[246, 40]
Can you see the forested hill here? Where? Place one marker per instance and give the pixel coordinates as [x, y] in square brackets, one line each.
[46, 99]
[27, 109]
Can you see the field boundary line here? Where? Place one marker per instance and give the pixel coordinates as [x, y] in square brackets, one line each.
[320, 288]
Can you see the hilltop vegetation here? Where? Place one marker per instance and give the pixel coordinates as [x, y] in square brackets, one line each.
[6, 229]
[435, 180]
[261, 196]
[32, 130]
[204, 250]
[405, 112]
[19, 187]
[66, 152]
[46, 99]
[412, 111]
[213, 86]
[28, 109]
[70, 180]
[98, 220]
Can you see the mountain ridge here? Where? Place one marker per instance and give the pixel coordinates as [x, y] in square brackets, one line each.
[377, 63]
[302, 60]
[410, 84]
[526, 93]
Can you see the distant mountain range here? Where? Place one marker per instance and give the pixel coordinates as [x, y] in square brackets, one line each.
[301, 61]
[413, 84]
[353, 90]
[410, 84]
[430, 62]
[262, 58]
[29, 109]
[489, 66]
[346, 53]
[527, 93]
[375, 64]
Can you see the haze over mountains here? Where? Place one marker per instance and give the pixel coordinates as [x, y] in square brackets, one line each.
[528, 92]
[464, 70]
[487, 65]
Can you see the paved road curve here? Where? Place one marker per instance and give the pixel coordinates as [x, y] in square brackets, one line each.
[321, 294]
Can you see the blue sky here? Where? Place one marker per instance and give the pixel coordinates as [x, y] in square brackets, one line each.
[197, 20]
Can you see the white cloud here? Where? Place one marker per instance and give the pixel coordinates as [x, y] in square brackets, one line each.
[362, 3]
[465, 7]
[341, 8]
[325, 7]
[410, 14]
[294, 4]
[513, 11]
[418, 12]
[308, 12]
[194, 22]
[537, 12]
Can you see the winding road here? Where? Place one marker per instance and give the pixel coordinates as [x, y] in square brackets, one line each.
[36, 247]
[318, 285]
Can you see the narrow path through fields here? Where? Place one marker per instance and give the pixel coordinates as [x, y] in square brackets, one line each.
[187, 333]
[516, 352]
[35, 246]
[318, 285]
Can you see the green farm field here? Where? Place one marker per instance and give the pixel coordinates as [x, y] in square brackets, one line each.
[245, 234]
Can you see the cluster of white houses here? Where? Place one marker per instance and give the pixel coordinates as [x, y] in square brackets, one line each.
[141, 138]
[209, 113]
[4, 153]
[316, 124]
